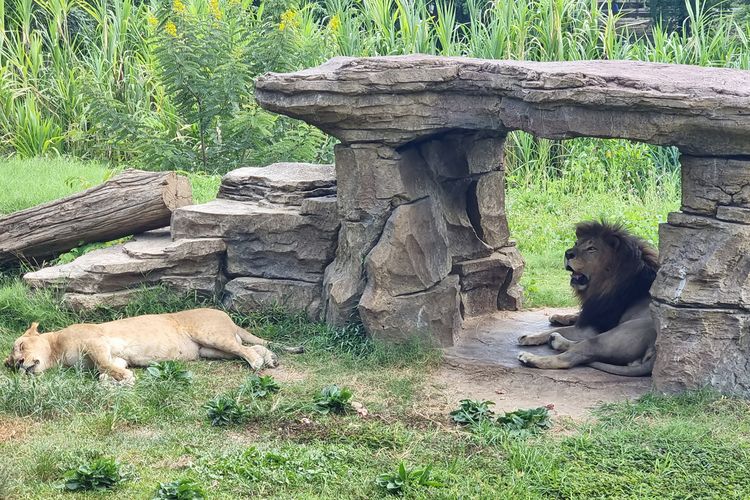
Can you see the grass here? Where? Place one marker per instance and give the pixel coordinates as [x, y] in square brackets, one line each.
[55, 178]
[692, 446]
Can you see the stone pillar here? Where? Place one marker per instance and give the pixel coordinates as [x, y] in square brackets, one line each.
[424, 238]
[702, 291]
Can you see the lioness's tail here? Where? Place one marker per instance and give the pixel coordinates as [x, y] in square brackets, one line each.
[640, 370]
[252, 339]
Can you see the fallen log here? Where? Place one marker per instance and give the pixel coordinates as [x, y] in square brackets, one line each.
[132, 202]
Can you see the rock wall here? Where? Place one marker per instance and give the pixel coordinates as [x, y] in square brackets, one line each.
[424, 239]
[702, 292]
[266, 240]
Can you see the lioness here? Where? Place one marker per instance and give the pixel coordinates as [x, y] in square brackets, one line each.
[139, 341]
[611, 273]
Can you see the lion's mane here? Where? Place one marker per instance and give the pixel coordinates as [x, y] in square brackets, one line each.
[635, 265]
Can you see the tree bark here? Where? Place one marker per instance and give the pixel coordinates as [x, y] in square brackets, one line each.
[132, 202]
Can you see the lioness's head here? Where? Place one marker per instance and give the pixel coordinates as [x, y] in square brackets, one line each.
[31, 352]
[603, 255]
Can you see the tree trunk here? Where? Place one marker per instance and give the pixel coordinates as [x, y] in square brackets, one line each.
[132, 202]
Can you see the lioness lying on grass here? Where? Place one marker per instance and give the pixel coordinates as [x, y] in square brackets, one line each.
[112, 347]
[611, 273]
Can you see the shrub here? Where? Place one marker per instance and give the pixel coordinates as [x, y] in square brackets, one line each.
[226, 410]
[182, 489]
[100, 474]
[334, 399]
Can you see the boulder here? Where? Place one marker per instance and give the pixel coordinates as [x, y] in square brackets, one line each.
[279, 183]
[697, 347]
[252, 294]
[490, 209]
[369, 181]
[432, 314]
[709, 183]
[344, 279]
[412, 254]
[704, 262]
[481, 283]
[511, 293]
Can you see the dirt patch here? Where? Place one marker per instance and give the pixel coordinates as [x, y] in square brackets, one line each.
[13, 429]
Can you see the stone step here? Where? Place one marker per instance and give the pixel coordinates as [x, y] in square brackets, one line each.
[279, 183]
[251, 294]
[107, 276]
[266, 240]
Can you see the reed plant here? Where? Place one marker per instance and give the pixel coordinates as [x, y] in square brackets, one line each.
[165, 84]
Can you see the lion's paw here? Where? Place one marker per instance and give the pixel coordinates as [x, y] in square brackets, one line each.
[526, 358]
[532, 339]
[558, 342]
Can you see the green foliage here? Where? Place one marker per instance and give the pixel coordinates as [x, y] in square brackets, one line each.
[334, 399]
[404, 480]
[481, 418]
[522, 422]
[100, 474]
[226, 410]
[470, 411]
[259, 386]
[182, 489]
[170, 371]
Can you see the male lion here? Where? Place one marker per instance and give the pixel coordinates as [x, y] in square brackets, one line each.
[611, 272]
[139, 341]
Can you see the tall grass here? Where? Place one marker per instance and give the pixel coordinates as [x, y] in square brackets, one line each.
[60, 58]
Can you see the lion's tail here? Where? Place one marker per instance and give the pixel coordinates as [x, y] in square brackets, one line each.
[639, 370]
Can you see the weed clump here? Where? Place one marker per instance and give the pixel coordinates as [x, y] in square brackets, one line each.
[182, 489]
[479, 416]
[100, 474]
[334, 399]
[170, 371]
[259, 386]
[226, 410]
[404, 480]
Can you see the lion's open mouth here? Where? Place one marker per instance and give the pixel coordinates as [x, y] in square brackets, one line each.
[578, 280]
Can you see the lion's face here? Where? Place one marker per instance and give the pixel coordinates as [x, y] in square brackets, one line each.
[589, 261]
[31, 352]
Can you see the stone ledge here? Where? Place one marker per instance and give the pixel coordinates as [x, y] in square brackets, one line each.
[398, 99]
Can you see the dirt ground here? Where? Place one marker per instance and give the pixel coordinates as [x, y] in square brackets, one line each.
[483, 365]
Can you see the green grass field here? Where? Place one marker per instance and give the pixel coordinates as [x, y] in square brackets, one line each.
[694, 446]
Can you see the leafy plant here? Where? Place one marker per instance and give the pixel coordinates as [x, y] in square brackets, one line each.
[226, 410]
[259, 386]
[470, 411]
[334, 399]
[170, 371]
[526, 421]
[100, 474]
[182, 489]
[399, 482]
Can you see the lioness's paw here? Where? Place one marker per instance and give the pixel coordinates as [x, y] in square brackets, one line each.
[128, 380]
[269, 358]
